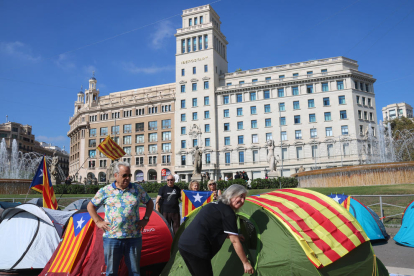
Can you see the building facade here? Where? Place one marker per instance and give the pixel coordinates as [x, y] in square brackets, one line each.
[141, 121]
[397, 110]
[317, 113]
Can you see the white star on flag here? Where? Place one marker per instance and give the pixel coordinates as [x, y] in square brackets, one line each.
[336, 198]
[197, 197]
[41, 173]
[80, 222]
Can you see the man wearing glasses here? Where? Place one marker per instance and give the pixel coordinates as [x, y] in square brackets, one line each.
[122, 225]
[167, 203]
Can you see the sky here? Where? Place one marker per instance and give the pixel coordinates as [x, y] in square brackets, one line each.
[48, 49]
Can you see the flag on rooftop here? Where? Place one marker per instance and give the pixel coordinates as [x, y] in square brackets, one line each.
[194, 199]
[111, 149]
[41, 183]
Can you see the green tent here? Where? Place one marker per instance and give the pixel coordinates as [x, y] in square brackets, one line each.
[278, 227]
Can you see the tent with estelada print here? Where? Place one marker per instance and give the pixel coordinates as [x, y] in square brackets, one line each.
[81, 249]
[292, 232]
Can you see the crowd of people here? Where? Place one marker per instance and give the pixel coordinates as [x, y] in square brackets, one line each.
[200, 241]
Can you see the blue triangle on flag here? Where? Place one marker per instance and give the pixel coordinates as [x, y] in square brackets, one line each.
[338, 198]
[79, 221]
[197, 198]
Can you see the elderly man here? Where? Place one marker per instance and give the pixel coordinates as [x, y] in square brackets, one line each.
[167, 200]
[122, 225]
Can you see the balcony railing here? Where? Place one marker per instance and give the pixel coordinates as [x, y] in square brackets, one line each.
[139, 165]
[166, 127]
[127, 131]
[140, 141]
[152, 165]
[139, 129]
[104, 133]
[153, 151]
[166, 150]
[92, 144]
[140, 153]
[167, 139]
[167, 164]
[92, 134]
[153, 140]
[115, 132]
[152, 128]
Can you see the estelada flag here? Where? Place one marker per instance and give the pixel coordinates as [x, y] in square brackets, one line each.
[79, 229]
[111, 149]
[344, 200]
[41, 183]
[194, 199]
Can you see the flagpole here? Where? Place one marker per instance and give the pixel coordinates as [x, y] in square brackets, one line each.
[74, 174]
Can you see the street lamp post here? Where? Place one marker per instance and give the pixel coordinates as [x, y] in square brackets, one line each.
[281, 149]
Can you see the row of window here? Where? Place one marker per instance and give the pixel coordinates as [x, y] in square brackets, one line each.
[190, 20]
[190, 44]
[152, 149]
[128, 113]
[371, 115]
[127, 140]
[127, 128]
[299, 154]
[195, 70]
[152, 160]
[194, 86]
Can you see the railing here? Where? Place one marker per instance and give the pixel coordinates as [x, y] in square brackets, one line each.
[166, 127]
[140, 153]
[139, 165]
[139, 129]
[104, 133]
[389, 208]
[166, 150]
[153, 140]
[127, 131]
[115, 132]
[92, 134]
[140, 141]
[152, 165]
[92, 145]
[167, 139]
[152, 128]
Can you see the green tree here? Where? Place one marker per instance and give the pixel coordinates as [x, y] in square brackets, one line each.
[403, 136]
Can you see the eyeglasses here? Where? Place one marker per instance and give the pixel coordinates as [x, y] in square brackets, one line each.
[170, 179]
[212, 184]
[126, 175]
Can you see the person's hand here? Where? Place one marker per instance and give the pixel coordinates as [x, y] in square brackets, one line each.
[141, 224]
[241, 237]
[103, 225]
[248, 268]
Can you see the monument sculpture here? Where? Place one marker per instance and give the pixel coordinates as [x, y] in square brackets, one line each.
[110, 173]
[271, 159]
[54, 172]
[198, 154]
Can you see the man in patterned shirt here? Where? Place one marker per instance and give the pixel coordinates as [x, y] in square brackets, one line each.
[122, 225]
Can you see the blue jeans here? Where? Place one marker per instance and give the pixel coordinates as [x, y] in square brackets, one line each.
[114, 249]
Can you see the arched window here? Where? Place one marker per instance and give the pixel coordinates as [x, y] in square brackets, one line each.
[152, 175]
[139, 176]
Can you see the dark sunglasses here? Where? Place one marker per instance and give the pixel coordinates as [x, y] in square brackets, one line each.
[126, 175]
[170, 179]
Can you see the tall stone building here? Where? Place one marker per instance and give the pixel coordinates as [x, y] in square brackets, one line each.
[317, 113]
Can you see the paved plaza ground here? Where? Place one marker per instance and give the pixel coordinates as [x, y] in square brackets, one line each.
[398, 259]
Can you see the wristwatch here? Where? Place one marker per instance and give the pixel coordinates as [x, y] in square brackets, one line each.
[146, 218]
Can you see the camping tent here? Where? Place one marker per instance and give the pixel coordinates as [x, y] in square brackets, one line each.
[5, 205]
[406, 234]
[369, 220]
[77, 205]
[291, 232]
[31, 235]
[36, 201]
[86, 256]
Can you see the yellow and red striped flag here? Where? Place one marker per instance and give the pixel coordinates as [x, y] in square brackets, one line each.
[194, 199]
[41, 183]
[111, 149]
[325, 231]
[79, 230]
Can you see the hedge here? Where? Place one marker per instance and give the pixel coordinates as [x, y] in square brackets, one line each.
[153, 187]
[274, 183]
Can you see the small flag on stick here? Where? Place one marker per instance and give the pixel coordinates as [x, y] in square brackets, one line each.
[111, 149]
[41, 183]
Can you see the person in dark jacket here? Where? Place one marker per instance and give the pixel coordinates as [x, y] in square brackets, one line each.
[205, 235]
[237, 175]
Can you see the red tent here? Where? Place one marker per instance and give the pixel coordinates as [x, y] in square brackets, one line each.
[81, 252]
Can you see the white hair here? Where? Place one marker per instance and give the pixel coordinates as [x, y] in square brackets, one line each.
[118, 164]
[232, 191]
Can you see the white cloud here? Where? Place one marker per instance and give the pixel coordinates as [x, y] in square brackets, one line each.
[64, 62]
[88, 70]
[133, 69]
[51, 139]
[19, 50]
[163, 31]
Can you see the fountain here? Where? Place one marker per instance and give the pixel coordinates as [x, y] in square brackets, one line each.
[384, 160]
[17, 171]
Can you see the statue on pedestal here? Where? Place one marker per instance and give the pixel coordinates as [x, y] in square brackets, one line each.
[301, 169]
[197, 162]
[110, 173]
[54, 169]
[271, 159]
